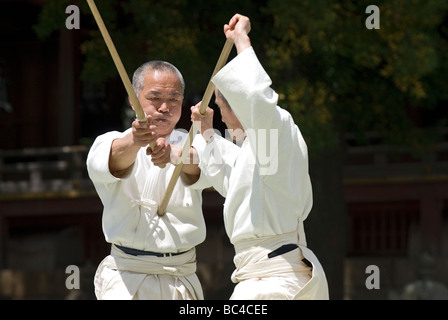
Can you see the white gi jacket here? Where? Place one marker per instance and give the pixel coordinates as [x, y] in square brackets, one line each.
[130, 204]
[265, 182]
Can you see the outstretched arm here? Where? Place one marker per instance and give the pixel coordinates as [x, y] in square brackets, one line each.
[124, 150]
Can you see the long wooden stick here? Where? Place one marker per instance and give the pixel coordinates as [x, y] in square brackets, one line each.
[187, 145]
[141, 116]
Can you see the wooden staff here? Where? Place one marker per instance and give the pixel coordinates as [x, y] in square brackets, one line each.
[141, 116]
[186, 148]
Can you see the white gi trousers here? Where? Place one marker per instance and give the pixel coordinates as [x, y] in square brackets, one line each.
[284, 277]
[121, 276]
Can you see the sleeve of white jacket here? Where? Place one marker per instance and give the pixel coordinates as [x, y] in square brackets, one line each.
[217, 161]
[98, 158]
[199, 144]
[246, 86]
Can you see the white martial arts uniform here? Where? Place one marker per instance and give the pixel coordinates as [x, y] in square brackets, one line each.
[267, 188]
[130, 220]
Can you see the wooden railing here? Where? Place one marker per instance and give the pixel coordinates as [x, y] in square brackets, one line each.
[44, 171]
[384, 163]
[63, 169]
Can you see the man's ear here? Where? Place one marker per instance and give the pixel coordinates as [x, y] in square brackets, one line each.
[130, 102]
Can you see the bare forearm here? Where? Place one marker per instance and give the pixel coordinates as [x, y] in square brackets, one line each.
[122, 156]
[189, 179]
[242, 43]
[190, 169]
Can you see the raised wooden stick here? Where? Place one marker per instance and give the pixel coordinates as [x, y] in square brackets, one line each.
[141, 116]
[187, 145]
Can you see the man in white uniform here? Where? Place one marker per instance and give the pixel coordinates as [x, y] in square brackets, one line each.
[266, 202]
[152, 257]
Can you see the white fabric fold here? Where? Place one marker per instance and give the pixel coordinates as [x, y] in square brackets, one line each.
[282, 277]
[251, 259]
[148, 277]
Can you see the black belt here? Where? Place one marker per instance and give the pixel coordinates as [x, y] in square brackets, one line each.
[285, 249]
[136, 252]
[282, 250]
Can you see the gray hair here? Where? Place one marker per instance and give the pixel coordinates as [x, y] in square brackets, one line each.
[155, 65]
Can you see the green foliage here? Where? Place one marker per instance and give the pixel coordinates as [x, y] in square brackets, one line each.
[337, 76]
[332, 73]
[51, 18]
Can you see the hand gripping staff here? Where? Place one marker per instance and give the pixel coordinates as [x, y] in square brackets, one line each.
[141, 116]
[186, 148]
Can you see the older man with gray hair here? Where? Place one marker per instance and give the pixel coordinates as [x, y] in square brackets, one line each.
[152, 256]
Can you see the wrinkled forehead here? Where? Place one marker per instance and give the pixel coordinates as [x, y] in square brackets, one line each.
[162, 82]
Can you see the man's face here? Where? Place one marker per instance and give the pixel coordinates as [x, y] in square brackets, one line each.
[161, 97]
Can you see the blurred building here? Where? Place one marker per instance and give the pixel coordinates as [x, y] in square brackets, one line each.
[397, 205]
[50, 215]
